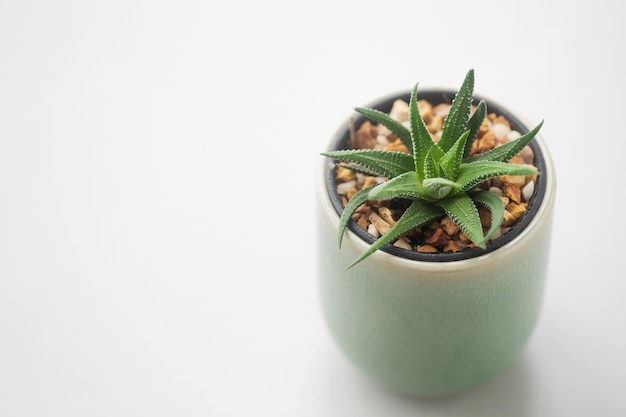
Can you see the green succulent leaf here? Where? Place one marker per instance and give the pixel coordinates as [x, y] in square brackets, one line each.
[508, 150]
[406, 185]
[494, 204]
[439, 188]
[358, 168]
[396, 127]
[354, 203]
[432, 169]
[386, 163]
[473, 173]
[474, 126]
[464, 213]
[422, 141]
[437, 152]
[416, 215]
[457, 119]
[451, 161]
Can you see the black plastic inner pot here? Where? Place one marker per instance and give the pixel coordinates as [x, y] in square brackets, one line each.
[436, 97]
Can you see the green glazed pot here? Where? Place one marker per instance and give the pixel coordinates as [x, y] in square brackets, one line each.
[433, 325]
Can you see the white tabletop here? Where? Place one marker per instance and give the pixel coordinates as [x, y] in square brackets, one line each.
[157, 161]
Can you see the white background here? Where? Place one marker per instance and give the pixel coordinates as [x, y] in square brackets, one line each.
[157, 236]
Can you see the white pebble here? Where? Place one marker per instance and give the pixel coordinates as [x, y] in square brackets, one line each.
[500, 130]
[373, 230]
[344, 187]
[527, 190]
[401, 243]
[442, 110]
[496, 234]
[399, 111]
[497, 191]
[513, 134]
[383, 130]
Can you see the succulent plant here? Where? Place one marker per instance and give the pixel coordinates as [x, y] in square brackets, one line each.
[439, 178]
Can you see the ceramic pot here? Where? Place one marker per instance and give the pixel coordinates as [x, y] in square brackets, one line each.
[434, 324]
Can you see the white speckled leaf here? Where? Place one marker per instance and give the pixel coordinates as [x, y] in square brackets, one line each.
[386, 163]
[358, 199]
[422, 141]
[494, 204]
[473, 173]
[406, 185]
[463, 212]
[457, 119]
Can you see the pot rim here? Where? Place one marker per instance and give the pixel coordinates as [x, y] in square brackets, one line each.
[541, 203]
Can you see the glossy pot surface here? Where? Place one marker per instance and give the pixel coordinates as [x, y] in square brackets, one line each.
[432, 327]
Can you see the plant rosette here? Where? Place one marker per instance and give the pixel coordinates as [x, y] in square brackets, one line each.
[434, 228]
